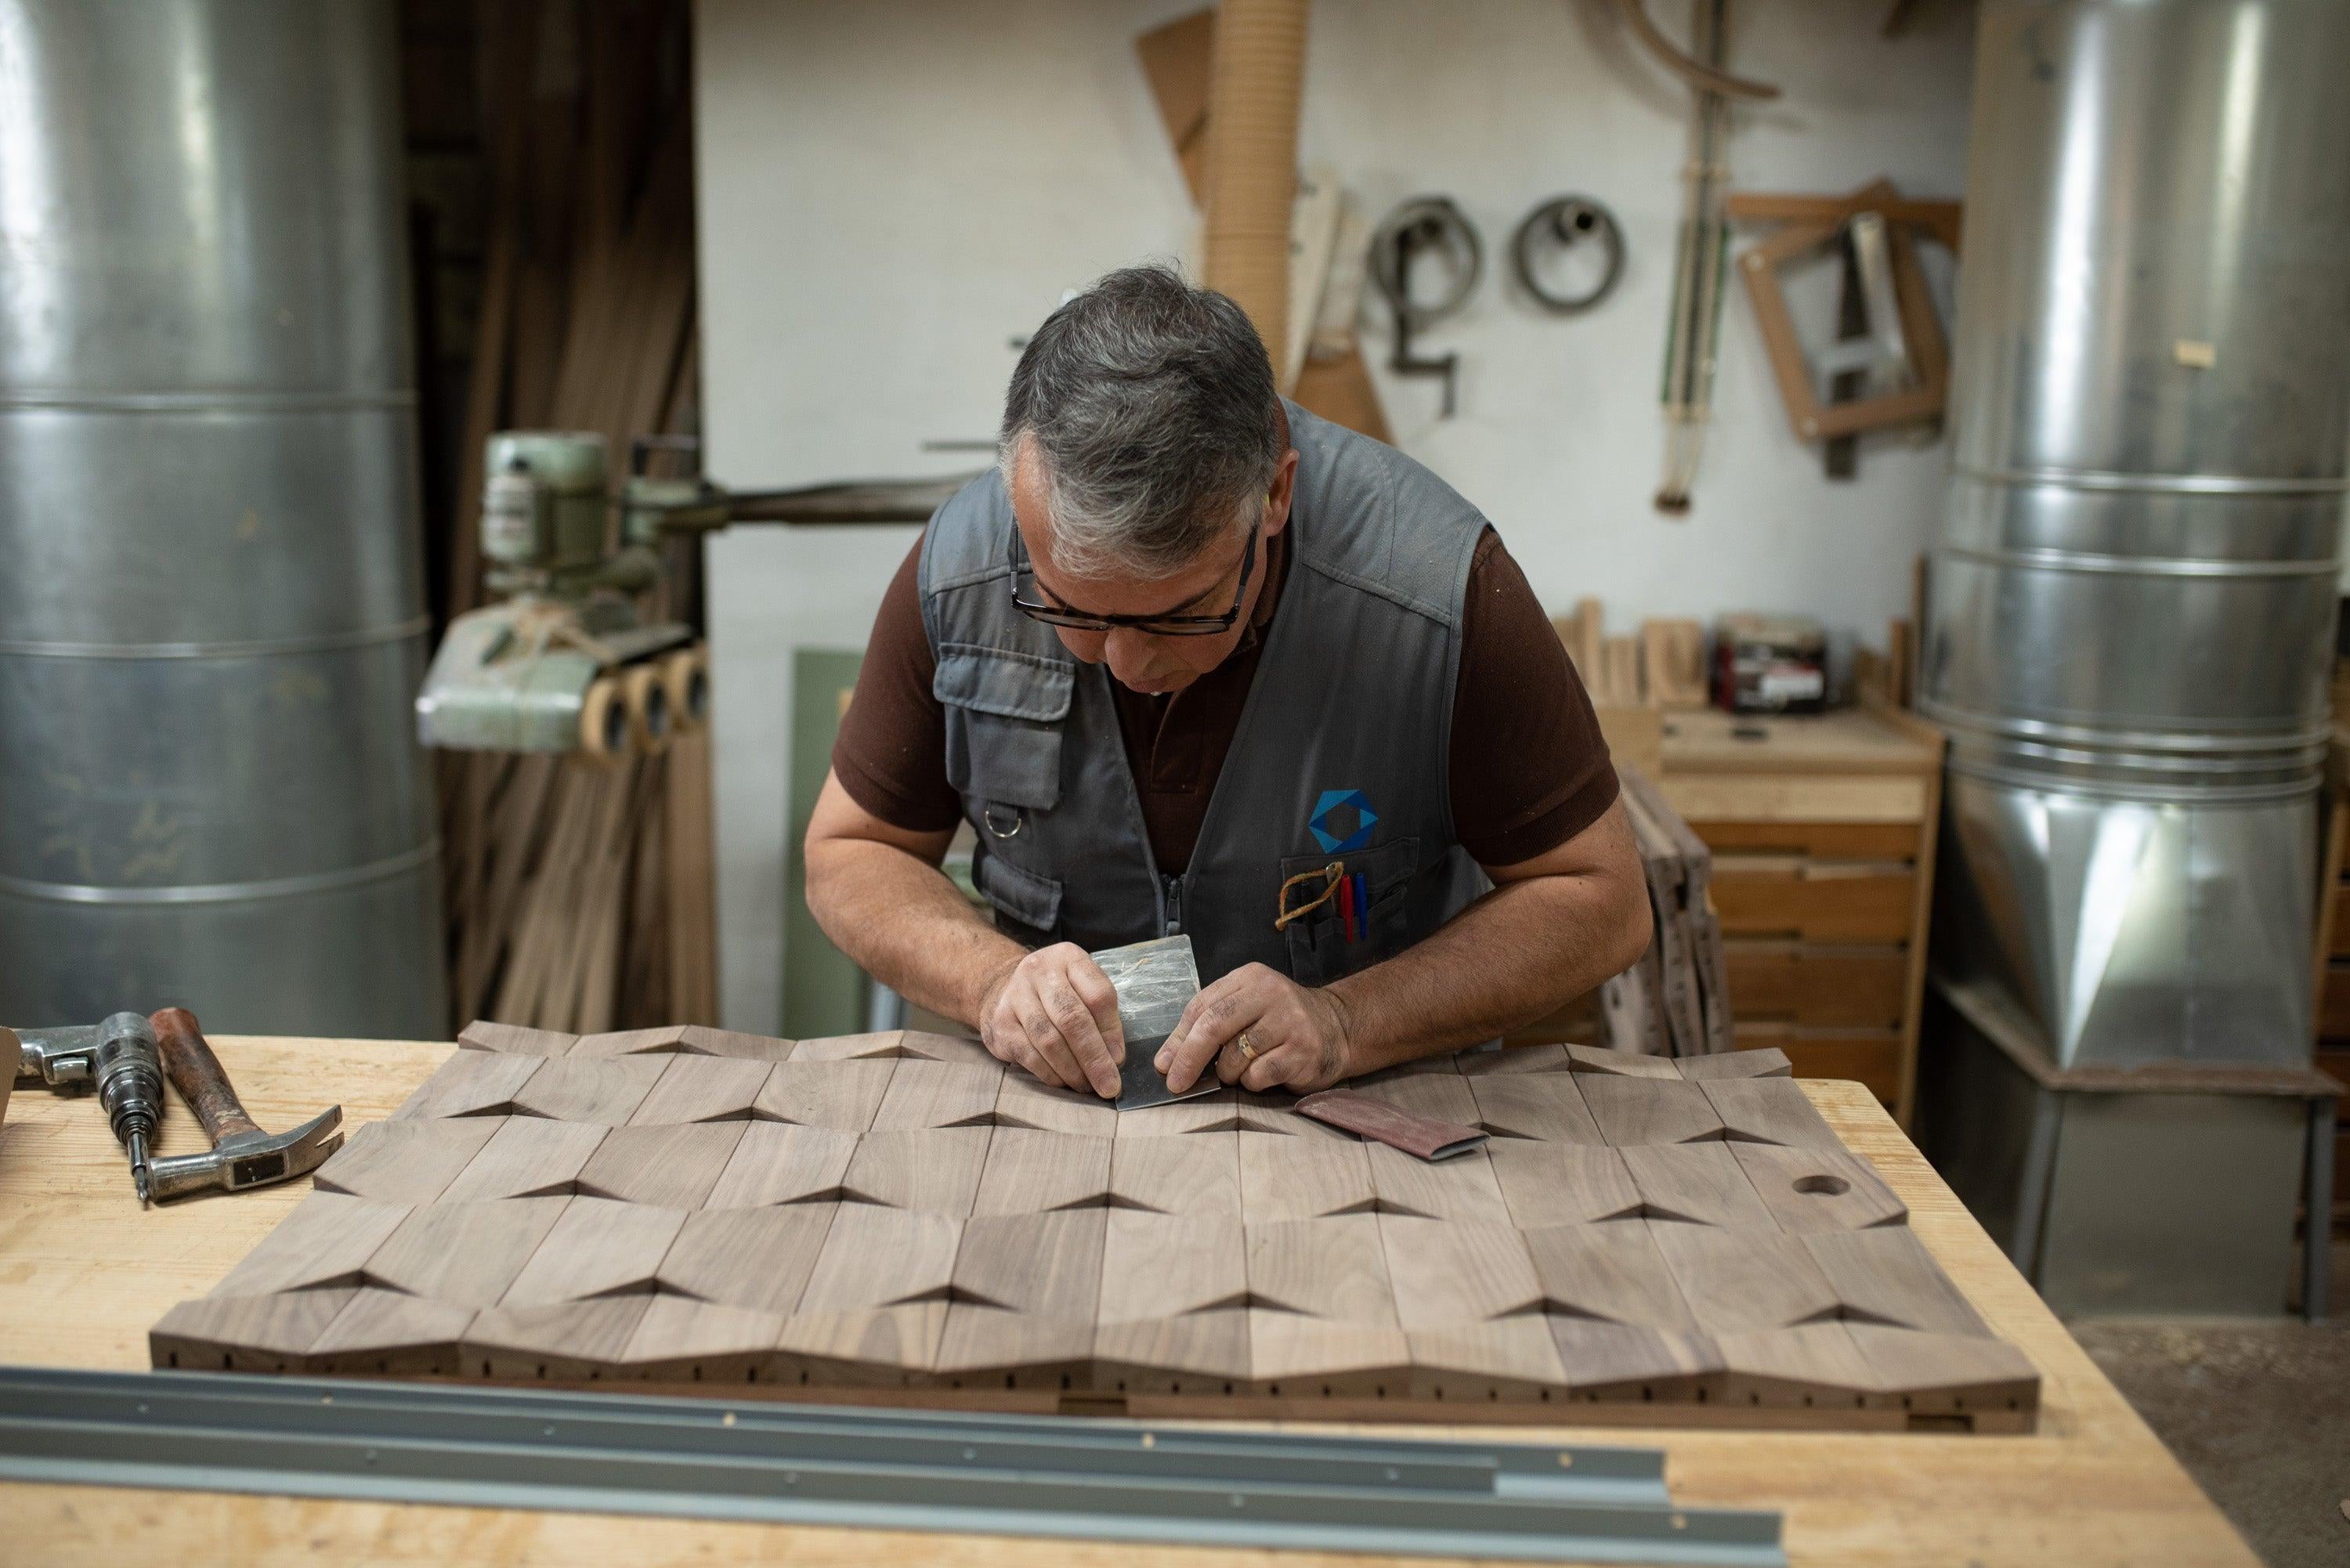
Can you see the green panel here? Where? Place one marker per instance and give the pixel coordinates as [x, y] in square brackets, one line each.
[823, 993]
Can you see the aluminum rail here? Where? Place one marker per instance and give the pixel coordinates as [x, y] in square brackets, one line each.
[1068, 1477]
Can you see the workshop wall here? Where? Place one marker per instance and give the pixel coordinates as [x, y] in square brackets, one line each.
[891, 193]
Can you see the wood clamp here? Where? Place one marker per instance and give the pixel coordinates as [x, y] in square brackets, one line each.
[1567, 225]
[1426, 227]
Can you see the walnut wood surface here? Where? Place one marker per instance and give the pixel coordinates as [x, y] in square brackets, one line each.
[897, 1211]
[525, 1157]
[407, 1161]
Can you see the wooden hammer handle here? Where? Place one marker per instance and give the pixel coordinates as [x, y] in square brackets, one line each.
[197, 1074]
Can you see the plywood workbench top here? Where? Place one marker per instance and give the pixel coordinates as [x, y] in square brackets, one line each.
[84, 1272]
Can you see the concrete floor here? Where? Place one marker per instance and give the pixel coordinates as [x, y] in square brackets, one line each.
[2258, 1412]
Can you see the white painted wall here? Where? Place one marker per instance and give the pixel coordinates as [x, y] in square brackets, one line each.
[892, 190]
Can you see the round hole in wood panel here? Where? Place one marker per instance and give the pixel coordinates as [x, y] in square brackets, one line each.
[1822, 1186]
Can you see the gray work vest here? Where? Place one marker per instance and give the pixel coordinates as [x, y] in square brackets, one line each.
[1341, 757]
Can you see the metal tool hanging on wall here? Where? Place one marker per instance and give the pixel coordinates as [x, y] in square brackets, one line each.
[1698, 265]
[1561, 228]
[1423, 229]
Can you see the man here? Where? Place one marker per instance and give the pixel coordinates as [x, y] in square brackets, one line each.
[1190, 658]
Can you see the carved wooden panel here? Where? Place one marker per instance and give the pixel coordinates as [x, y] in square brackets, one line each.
[896, 1216]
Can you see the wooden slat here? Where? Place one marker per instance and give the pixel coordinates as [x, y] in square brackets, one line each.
[1802, 984]
[1793, 797]
[1819, 901]
[1847, 741]
[2334, 1002]
[1822, 840]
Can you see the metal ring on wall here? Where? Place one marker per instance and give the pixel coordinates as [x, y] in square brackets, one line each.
[1565, 221]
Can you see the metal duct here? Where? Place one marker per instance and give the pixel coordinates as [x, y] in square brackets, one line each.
[212, 617]
[2133, 594]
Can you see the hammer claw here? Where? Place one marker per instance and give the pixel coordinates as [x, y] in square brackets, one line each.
[243, 1156]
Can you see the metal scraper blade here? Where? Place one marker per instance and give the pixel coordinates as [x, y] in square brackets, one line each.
[1155, 981]
[1140, 1085]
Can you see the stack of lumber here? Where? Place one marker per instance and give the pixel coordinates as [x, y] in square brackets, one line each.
[1661, 666]
[1675, 1002]
[580, 896]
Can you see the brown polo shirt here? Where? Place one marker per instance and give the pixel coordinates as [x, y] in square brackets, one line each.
[1529, 769]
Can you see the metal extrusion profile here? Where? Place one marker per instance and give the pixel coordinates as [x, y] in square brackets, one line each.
[1068, 1477]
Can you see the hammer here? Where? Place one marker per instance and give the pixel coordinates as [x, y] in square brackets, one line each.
[243, 1156]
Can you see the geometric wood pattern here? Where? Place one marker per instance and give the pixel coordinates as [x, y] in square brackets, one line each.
[896, 1216]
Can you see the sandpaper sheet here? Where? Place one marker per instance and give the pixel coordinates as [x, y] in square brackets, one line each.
[1425, 1136]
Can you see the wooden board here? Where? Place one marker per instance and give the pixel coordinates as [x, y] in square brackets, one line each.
[70, 1227]
[958, 1244]
[1826, 840]
[1815, 900]
[2334, 1002]
[1848, 740]
[1838, 986]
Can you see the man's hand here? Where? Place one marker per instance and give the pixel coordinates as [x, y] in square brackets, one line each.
[1055, 1013]
[1296, 1036]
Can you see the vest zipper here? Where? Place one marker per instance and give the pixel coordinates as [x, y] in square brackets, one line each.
[1174, 923]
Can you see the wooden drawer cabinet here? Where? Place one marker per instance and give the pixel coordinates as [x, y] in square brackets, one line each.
[2333, 1003]
[1826, 841]
[1824, 986]
[1871, 1056]
[1822, 831]
[1814, 900]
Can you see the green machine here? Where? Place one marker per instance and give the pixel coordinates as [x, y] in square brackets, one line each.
[564, 660]
[567, 659]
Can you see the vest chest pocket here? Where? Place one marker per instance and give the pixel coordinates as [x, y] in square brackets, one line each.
[1319, 952]
[1005, 712]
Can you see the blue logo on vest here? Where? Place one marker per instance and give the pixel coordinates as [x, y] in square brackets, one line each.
[1342, 820]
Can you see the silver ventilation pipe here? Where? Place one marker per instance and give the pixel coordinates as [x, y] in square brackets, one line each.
[211, 615]
[2133, 594]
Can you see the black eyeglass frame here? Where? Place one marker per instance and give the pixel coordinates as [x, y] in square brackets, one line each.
[1016, 554]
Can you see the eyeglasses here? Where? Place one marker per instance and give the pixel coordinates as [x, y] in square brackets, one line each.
[1023, 598]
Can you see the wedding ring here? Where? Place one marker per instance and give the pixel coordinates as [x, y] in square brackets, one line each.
[1248, 1052]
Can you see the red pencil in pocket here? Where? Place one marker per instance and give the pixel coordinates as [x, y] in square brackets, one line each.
[1347, 906]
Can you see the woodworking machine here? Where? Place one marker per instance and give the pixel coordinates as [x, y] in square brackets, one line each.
[567, 659]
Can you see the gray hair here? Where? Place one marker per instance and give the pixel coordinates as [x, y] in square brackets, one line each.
[1151, 406]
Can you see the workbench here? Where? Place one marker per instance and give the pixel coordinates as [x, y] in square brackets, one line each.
[84, 1272]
